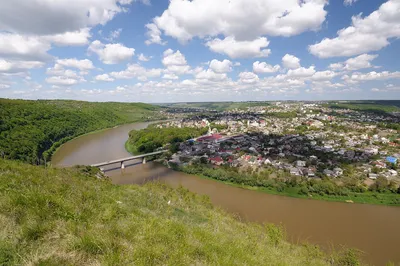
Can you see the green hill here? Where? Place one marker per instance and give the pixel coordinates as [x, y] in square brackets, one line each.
[219, 106]
[30, 131]
[70, 217]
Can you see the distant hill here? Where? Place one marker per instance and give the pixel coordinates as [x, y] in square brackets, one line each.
[379, 106]
[219, 106]
[30, 131]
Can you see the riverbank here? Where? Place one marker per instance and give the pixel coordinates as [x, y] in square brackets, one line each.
[291, 190]
[69, 216]
[360, 198]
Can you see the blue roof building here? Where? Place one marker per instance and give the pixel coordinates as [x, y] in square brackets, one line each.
[391, 159]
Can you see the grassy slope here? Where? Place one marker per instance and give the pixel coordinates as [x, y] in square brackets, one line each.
[68, 217]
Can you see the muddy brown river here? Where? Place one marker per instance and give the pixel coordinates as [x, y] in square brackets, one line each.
[371, 228]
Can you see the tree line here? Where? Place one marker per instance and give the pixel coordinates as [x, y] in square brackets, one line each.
[149, 139]
[382, 192]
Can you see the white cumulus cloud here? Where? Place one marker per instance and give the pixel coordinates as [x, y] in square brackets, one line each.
[19, 47]
[111, 53]
[104, 77]
[137, 71]
[175, 62]
[15, 66]
[62, 81]
[301, 72]
[262, 67]
[365, 34]
[240, 49]
[290, 61]
[144, 58]
[43, 17]
[83, 65]
[221, 66]
[72, 38]
[384, 75]
[242, 19]
[248, 77]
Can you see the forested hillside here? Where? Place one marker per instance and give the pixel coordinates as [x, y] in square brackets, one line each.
[30, 131]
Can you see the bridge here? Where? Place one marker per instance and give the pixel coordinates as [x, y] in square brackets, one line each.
[123, 160]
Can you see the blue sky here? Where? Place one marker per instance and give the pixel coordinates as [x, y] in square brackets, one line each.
[199, 50]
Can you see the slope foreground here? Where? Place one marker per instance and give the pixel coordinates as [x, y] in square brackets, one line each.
[70, 217]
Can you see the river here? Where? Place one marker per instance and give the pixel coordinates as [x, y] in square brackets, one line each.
[371, 228]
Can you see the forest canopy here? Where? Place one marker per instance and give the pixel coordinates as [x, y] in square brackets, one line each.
[149, 139]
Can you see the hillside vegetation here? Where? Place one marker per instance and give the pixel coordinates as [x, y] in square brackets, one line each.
[381, 107]
[30, 131]
[276, 182]
[70, 217]
[149, 139]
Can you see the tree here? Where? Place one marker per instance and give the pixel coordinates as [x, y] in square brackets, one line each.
[380, 185]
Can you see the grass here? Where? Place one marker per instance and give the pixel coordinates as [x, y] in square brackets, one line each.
[70, 217]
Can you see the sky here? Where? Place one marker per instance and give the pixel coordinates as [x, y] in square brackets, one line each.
[160, 51]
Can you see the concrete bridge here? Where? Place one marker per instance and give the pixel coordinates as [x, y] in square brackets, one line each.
[123, 160]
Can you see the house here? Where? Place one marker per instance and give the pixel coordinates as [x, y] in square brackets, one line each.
[209, 138]
[350, 154]
[267, 161]
[372, 176]
[371, 151]
[217, 160]
[300, 163]
[338, 171]
[310, 173]
[295, 171]
[391, 159]
[329, 173]
[315, 123]
[328, 148]
[379, 164]
[392, 172]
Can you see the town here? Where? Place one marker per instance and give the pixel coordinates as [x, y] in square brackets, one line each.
[302, 139]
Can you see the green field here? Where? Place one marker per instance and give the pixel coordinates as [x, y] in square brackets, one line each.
[369, 106]
[70, 217]
[31, 131]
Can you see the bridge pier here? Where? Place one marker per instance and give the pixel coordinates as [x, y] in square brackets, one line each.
[122, 165]
[144, 160]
